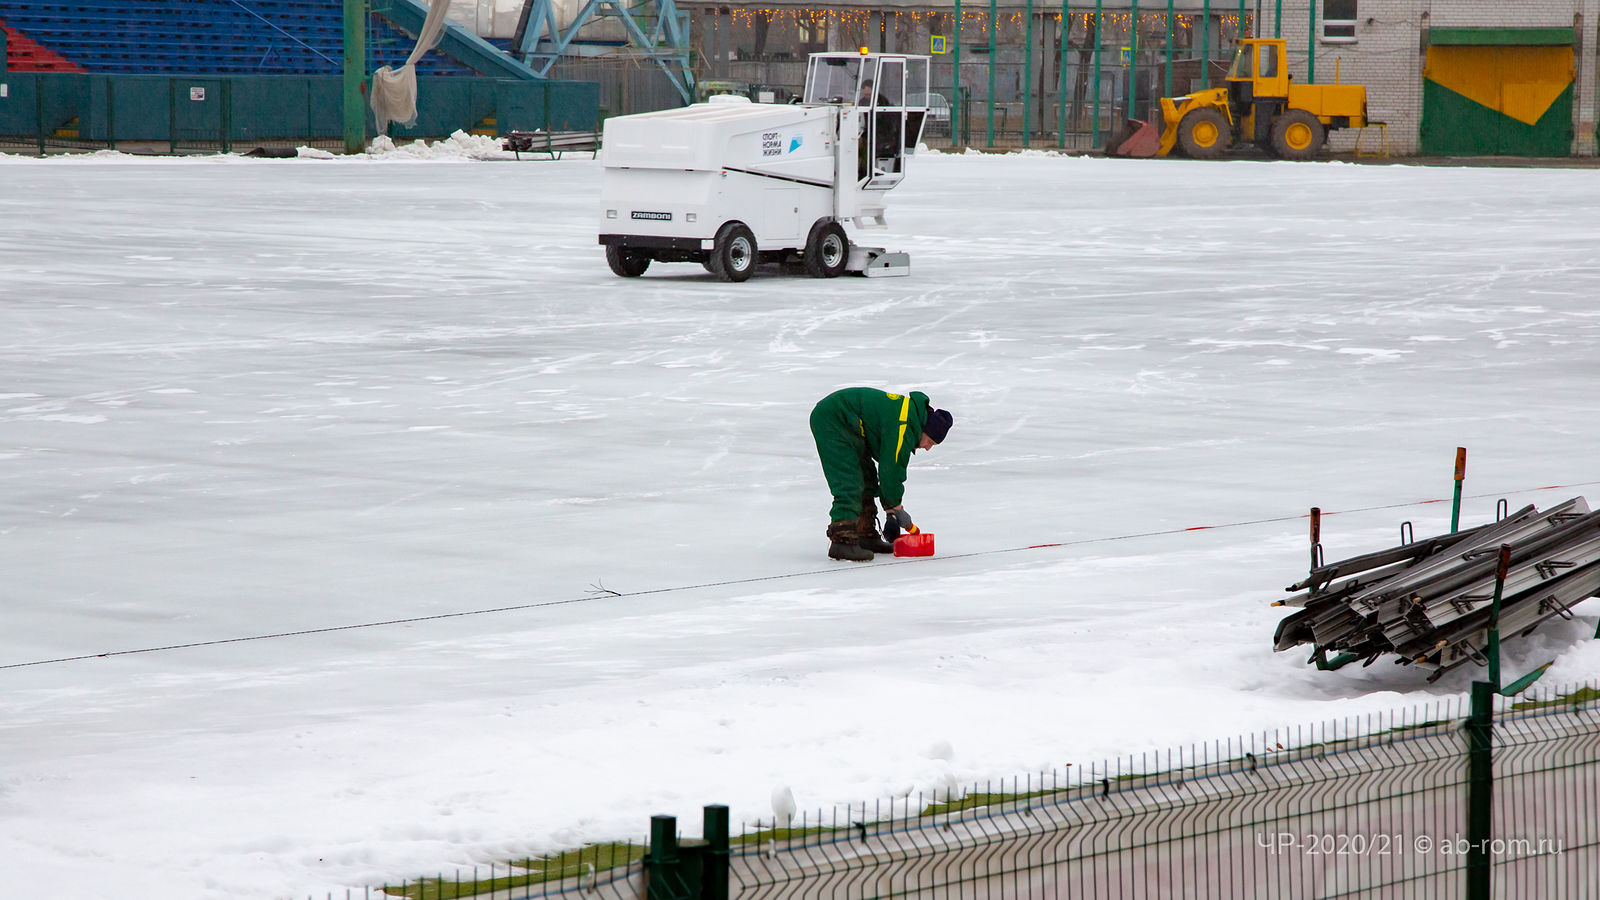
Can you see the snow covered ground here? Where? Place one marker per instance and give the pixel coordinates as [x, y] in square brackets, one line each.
[250, 397]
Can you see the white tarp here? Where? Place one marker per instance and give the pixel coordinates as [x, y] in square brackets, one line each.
[394, 91]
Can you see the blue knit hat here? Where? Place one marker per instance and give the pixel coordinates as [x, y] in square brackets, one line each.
[938, 425]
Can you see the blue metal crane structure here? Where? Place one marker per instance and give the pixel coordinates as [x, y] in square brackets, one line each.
[656, 30]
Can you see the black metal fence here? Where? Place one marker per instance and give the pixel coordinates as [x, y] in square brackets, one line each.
[1495, 797]
[1014, 74]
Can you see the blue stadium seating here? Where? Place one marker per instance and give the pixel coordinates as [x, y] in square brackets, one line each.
[210, 37]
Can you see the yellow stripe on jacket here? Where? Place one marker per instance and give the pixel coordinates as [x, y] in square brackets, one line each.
[905, 408]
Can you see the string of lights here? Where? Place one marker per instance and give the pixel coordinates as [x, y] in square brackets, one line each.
[969, 19]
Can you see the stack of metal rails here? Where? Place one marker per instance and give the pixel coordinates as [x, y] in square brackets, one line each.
[1431, 602]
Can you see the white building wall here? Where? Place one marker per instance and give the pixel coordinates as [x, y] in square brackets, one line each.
[1387, 56]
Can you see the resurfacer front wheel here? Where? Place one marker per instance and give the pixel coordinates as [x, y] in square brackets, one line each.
[627, 263]
[827, 250]
[733, 257]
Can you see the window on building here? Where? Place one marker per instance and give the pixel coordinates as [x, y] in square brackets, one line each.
[1339, 21]
[813, 29]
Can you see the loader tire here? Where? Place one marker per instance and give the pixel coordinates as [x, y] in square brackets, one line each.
[733, 257]
[626, 263]
[1297, 135]
[1203, 133]
[827, 250]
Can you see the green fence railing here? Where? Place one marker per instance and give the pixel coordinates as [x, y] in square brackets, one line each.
[213, 113]
[1492, 797]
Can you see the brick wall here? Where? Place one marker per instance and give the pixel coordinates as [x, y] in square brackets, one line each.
[1387, 56]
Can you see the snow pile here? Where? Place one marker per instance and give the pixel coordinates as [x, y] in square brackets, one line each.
[458, 147]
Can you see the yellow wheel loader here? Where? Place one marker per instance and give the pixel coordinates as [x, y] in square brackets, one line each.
[1259, 105]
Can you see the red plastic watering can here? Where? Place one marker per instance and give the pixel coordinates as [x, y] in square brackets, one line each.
[915, 543]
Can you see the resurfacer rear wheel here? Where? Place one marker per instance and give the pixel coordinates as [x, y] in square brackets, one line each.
[827, 250]
[733, 257]
[627, 263]
[1203, 133]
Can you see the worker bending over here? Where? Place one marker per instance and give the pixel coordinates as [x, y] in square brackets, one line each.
[865, 438]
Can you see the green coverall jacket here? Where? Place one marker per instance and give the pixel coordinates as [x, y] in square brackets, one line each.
[865, 438]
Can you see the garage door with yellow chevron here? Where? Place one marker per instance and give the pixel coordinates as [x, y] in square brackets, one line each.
[1498, 93]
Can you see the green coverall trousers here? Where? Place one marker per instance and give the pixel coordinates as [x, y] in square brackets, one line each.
[850, 470]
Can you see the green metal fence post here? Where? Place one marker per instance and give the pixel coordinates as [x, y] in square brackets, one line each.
[1480, 789]
[227, 115]
[714, 881]
[1169, 50]
[663, 878]
[1205, 46]
[355, 75]
[172, 116]
[1494, 615]
[1311, 44]
[1133, 60]
[993, 27]
[111, 114]
[39, 112]
[1461, 473]
[1027, 75]
[1099, 22]
[955, 83]
[1238, 31]
[1277, 19]
[1061, 67]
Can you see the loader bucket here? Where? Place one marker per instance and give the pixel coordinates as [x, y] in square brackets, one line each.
[1137, 139]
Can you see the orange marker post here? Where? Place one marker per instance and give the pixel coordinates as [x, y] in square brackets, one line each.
[1461, 474]
[1316, 537]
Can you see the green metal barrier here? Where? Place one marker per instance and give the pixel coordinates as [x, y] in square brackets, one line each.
[1449, 799]
[60, 111]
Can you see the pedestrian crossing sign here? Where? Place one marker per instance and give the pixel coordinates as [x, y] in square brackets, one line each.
[938, 44]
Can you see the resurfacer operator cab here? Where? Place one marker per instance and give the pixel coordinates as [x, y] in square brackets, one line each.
[731, 184]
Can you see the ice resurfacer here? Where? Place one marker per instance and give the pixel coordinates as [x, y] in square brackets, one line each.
[730, 183]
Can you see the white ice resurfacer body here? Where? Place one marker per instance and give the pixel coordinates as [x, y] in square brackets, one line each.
[730, 184]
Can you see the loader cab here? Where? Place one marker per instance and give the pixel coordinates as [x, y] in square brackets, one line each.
[884, 98]
[1260, 69]
[1258, 84]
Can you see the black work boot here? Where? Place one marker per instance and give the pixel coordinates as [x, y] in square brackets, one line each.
[844, 543]
[867, 533]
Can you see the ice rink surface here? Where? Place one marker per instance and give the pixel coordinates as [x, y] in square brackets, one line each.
[245, 398]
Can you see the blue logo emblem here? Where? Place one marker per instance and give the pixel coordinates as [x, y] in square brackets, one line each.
[794, 144]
